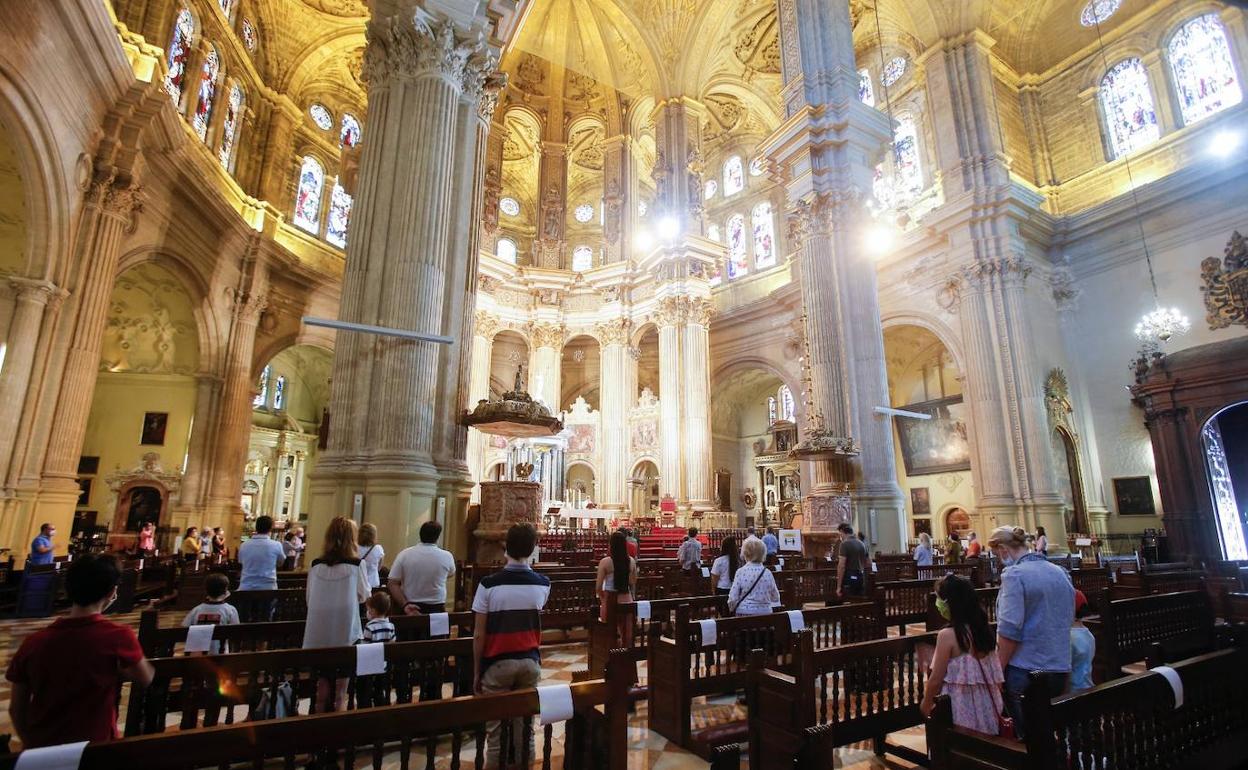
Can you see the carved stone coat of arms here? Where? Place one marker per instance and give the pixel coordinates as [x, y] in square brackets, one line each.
[1226, 285]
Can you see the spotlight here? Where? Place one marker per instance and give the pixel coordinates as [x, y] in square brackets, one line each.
[879, 238]
[1224, 143]
[669, 228]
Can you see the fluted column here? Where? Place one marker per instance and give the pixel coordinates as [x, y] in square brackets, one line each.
[544, 365]
[199, 454]
[670, 320]
[613, 407]
[23, 334]
[296, 497]
[696, 391]
[484, 329]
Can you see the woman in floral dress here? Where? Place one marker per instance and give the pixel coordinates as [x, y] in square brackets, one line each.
[965, 666]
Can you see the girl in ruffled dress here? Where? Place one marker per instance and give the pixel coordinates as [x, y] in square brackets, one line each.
[965, 666]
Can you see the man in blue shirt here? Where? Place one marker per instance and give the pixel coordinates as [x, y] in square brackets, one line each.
[1035, 609]
[771, 541]
[260, 557]
[41, 546]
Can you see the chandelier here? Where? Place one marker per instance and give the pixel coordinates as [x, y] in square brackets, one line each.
[1161, 324]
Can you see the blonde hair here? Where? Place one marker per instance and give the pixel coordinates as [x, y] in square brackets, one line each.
[925, 539]
[754, 550]
[339, 541]
[368, 534]
[1007, 537]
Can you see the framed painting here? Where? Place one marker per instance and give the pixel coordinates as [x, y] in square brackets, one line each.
[154, 426]
[1133, 496]
[938, 444]
[920, 502]
[922, 527]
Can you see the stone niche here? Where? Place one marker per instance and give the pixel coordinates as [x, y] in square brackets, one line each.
[504, 503]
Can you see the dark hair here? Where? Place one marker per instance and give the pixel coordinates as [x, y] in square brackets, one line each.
[189, 530]
[379, 602]
[430, 531]
[90, 578]
[46, 526]
[845, 528]
[263, 525]
[693, 532]
[521, 540]
[729, 548]
[1040, 532]
[618, 548]
[969, 621]
[216, 585]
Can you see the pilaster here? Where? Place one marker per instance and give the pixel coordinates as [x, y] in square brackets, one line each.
[33, 298]
[614, 407]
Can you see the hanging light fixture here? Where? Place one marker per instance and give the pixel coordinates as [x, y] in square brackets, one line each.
[1160, 324]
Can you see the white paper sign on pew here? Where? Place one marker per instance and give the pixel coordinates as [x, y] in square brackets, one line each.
[708, 632]
[797, 621]
[370, 659]
[643, 610]
[199, 638]
[66, 756]
[706, 572]
[440, 624]
[555, 703]
[1174, 680]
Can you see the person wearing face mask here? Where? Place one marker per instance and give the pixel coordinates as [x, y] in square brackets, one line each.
[964, 666]
[66, 677]
[1035, 610]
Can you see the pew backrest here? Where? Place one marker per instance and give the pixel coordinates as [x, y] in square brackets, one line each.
[1128, 629]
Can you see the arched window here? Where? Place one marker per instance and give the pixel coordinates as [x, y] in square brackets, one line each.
[583, 213]
[249, 35]
[736, 247]
[764, 236]
[1204, 75]
[756, 166]
[893, 71]
[207, 93]
[582, 259]
[506, 250]
[339, 216]
[882, 188]
[712, 232]
[308, 197]
[321, 117]
[179, 54]
[908, 174]
[771, 410]
[788, 410]
[350, 134]
[262, 392]
[509, 206]
[279, 393]
[866, 92]
[1128, 105]
[734, 176]
[230, 126]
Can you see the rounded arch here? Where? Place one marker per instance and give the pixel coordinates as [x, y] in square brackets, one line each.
[641, 331]
[581, 463]
[208, 327]
[931, 323]
[729, 369]
[640, 460]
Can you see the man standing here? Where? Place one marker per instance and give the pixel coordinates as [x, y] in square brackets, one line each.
[418, 576]
[851, 564]
[41, 546]
[771, 541]
[690, 553]
[507, 632]
[260, 556]
[205, 543]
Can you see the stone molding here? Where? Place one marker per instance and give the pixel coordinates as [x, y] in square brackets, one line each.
[485, 325]
[1011, 272]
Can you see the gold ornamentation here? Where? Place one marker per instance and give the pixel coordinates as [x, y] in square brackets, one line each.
[546, 335]
[1226, 285]
[614, 332]
[408, 47]
[485, 325]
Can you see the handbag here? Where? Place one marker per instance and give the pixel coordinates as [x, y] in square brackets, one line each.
[1005, 725]
[746, 595]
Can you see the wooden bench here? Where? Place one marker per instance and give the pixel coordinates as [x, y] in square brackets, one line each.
[970, 571]
[1126, 724]
[1093, 582]
[682, 667]
[604, 636]
[1132, 584]
[265, 606]
[1129, 630]
[987, 600]
[811, 586]
[904, 601]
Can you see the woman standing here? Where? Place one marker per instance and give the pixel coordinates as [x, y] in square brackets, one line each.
[617, 581]
[964, 666]
[724, 569]
[753, 589]
[923, 553]
[190, 545]
[147, 539]
[1042, 542]
[336, 588]
[371, 554]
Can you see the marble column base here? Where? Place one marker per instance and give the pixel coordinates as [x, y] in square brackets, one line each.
[396, 502]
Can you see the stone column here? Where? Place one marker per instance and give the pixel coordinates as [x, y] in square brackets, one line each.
[617, 167]
[23, 335]
[670, 319]
[200, 452]
[280, 471]
[280, 170]
[678, 166]
[410, 264]
[616, 398]
[484, 329]
[545, 365]
[296, 497]
[696, 403]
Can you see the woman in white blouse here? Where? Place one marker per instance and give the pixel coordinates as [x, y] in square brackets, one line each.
[337, 586]
[753, 589]
[371, 554]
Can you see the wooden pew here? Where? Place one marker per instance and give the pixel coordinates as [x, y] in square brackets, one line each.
[1128, 630]
[1126, 724]
[970, 571]
[40, 587]
[1132, 584]
[835, 696]
[682, 668]
[595, 738]
[806, 587]
[896, 570]
[1093, 582]
[265, 606]
[904, 601]
[987, 599]
[604, 636]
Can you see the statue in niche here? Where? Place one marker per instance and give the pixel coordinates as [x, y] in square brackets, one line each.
[611, 225]
[553, 213]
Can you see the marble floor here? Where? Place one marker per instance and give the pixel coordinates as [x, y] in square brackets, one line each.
[647, 750]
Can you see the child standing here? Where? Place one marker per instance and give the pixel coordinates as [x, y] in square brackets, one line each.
[1082, 647]
[214, 611]
[378, 628]
[965, 666]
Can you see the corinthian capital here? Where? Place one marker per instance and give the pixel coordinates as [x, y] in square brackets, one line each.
[614, 332]
[403, 46]
[116, 199]
[546, 335]
[485, 325]
[672, 311]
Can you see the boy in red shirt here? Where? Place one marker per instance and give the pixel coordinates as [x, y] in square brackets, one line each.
[67, 676]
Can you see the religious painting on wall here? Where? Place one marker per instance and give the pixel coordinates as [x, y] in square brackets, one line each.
[938, 445]
[922, 527]
[790, 488]
[145, 505]
[582, 440]
[154, 426]
[920, 502]
[1133, 496]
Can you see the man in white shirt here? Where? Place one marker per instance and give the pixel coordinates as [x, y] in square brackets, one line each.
[418, 576]
[260, 557]
[690, 553]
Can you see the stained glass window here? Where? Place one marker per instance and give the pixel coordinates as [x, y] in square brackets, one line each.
[506, 250]
[764, 236]
[308, 198]
[756, 166]
[262, 392]
[1128, 105]
[279, 393]
[734, 176]
[207, 93]
[583, 213]
[1204, 75]
[788, 410]
[737, 266]
[509, 206]
[349, 136]
[321, 117]
[907, 171]
[1097, 11]
[710, 189]
[226, 7]
[249, 35]
[229, 126]
[712, 232]
[582, 259]
[771, 410]
[641, 208]
[866, 92]
[179, 54]
[893, 71]
[339, 216]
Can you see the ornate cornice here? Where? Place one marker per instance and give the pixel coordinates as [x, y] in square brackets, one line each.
[410, 47]
[981, 275]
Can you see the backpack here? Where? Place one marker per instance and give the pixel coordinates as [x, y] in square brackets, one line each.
[269, 707]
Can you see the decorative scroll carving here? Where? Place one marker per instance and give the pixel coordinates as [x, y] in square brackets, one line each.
[1057, 400]
[492, 190]
[981, 275]
[678, 310]
[485, 325]
[1226, 285]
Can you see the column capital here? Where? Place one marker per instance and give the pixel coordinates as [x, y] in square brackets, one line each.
[485, 325]
[677, 310]
[614, 332]
[36, 291]
[409, 47]
[116, 196]
[546, 335]
[824, 212]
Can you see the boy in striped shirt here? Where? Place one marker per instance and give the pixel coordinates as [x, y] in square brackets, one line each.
[508, 631]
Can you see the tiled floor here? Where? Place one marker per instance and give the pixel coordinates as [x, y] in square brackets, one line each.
[647, 750]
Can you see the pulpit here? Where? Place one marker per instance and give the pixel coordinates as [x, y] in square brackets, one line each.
[504, 503]
[824, 513]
